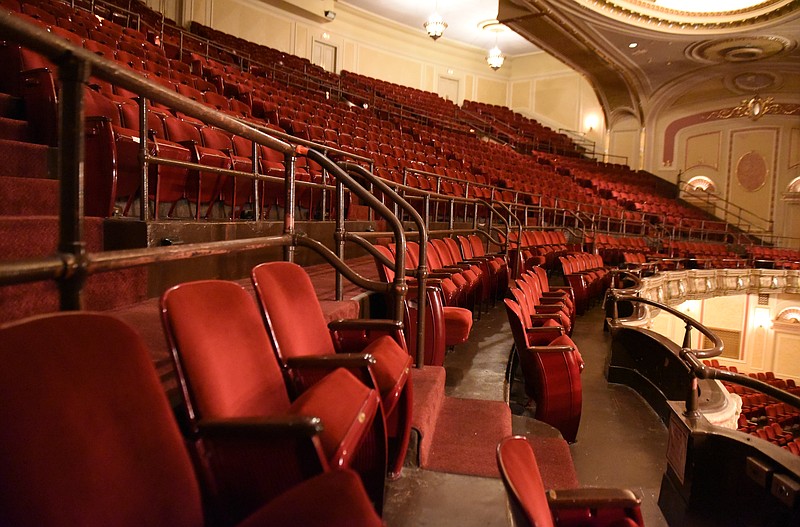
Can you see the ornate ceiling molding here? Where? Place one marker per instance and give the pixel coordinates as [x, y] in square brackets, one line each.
[648, 14]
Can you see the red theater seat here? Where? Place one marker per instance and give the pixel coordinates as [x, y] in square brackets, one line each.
[226, 364]
[297, 326]
[534, 506]
[96, 443]
[552, 375]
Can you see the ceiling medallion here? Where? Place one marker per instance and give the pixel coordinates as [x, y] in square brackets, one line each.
[754, 81]
[739, 49]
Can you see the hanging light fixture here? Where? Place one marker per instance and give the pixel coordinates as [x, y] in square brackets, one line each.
[496, 58]
[435, 25]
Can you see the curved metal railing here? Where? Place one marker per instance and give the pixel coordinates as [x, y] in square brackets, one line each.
[692, 358]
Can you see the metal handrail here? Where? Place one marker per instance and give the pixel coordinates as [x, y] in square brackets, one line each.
[688, 321]
[692, 358]
[73, 264]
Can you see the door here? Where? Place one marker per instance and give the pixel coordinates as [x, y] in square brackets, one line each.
[448, 89]
[324, 55]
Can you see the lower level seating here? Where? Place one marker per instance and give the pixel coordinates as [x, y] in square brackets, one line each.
[93, 378]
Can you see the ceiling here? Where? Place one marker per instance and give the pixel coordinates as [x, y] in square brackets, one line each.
[462, 17]
[682, 58]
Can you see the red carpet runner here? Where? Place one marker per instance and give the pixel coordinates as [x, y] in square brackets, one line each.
[466, 436]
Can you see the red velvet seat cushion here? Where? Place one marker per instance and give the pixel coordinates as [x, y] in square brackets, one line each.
[390, 361]
[339, 400]
[458, 324]
[332, 499]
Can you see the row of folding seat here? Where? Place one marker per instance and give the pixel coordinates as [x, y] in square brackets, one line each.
[240, 108]
[540, 299]
[587, 275]
[550, 361]
[537, 247]
[95, 379]
[113, 167]
[472, 279]
[775, 434]
[355, 404]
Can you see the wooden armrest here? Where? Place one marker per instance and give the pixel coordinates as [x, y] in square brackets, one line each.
[260, 427]
[552, 316]
[549, 308]
[545, 329]
[373, 324]
[551, 301]
[550, 349]
[599, 498]
[332, 361]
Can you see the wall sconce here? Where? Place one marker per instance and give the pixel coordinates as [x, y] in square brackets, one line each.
[591, 122]
[761, 318]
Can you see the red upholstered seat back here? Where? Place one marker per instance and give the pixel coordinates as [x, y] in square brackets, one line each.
[88, 437]
[217, 335]
[292, 310]
[523, 482]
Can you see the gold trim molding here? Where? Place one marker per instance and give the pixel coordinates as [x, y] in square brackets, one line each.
[648, 13]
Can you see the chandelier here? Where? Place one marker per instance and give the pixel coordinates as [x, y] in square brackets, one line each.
[435, 26]
[496, 58]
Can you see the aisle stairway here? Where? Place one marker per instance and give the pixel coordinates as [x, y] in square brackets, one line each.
[29, 224]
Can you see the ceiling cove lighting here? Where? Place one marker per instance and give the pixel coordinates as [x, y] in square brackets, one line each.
[435, 25]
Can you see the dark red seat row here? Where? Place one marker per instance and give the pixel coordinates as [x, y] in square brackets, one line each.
[99, 395]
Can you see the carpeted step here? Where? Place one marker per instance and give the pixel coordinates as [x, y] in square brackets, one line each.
[28, 237]
[22, 196]
[20, 159]
[11, 107]
[14, 129]
[466, 436]
[428, 383]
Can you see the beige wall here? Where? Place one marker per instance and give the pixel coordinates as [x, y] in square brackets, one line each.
[624, 142]
[549, 91]
[715, 148]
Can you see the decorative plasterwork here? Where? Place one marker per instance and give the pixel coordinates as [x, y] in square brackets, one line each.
[739, 49]
[649, 14]
[715, 115]
[751, 171]
[675, 287]
[746, 109]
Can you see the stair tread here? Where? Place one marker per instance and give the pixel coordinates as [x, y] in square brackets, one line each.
[23, 196]
[14, 129]
[23, 159]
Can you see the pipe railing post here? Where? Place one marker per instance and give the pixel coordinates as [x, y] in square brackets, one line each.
[74, 74]
[144, 182]
[339, 237]
[289, 210]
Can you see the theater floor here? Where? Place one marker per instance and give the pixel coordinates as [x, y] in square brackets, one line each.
[621, 442]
